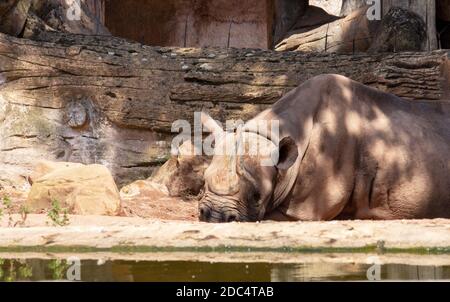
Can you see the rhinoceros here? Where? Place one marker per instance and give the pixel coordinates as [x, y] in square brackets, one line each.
[344, 151]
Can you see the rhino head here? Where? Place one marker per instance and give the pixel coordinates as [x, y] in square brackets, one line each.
[242, 178]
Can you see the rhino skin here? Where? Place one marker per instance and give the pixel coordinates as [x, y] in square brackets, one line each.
[346, 151]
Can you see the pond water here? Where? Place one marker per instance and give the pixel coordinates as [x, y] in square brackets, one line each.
[128, 271]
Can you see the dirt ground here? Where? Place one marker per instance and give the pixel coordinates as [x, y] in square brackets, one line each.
[153, 207]
[165, 208]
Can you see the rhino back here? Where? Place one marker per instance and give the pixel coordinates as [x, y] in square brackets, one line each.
[399, 148]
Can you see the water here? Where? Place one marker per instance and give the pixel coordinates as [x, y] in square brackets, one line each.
[128, 271]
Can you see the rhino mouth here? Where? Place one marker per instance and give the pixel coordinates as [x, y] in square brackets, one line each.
[214, 208]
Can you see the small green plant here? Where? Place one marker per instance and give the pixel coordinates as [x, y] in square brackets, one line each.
[58, 215]
[13, 270]
[26, 272]
[24, 211]
[8, 207]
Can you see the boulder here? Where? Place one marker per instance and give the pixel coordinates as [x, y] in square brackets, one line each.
[332, 7]
[341, 8]
[82, 189]
[144, 189]
[46, 166]
[348, 35]
[314, 17]
[349, 6]
[400, 30]
[182, 174]
[13, 15]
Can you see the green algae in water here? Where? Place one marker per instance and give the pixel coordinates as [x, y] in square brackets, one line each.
[148, 271]
[226, 249]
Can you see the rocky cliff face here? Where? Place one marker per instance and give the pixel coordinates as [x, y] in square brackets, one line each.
[192, 23]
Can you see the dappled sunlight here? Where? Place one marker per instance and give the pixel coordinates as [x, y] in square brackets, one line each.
[370, 140]
[353, 123]
[331, 121]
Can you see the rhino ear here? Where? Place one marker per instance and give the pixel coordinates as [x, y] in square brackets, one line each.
[287, 153]
[210, 124]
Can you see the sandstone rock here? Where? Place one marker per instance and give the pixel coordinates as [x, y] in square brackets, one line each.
[182, 174]
[13, 15]
[340, 8]
[349, 6]
[84, 189]
[348, 35]
[164, 173]
[45, 167]
[399, 30]
[332, 7]
[426, 10]
[65, 16]
[286, 13]
[30, 18]
[145, 189]
[14, 177]
[191, 23]
[311, 19]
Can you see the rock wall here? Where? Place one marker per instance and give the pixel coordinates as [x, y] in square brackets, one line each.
[97, 8]
[189, 23]
[339, 8]
[13, 15]
[286, 14]
[332, 7]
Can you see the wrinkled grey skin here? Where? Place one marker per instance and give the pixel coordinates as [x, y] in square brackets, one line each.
[346, 151]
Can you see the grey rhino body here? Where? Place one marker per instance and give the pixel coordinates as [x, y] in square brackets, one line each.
[359, 154]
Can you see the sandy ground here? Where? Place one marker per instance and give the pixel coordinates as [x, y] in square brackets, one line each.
[154, 206]
[164, 208]
[134, 234]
